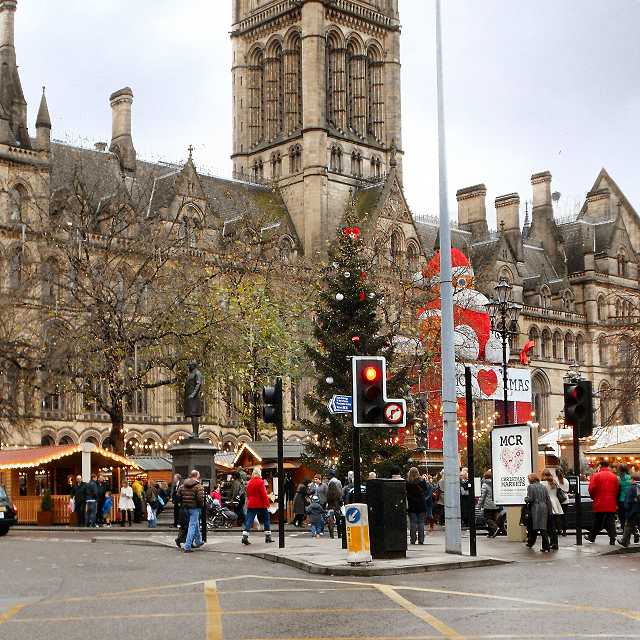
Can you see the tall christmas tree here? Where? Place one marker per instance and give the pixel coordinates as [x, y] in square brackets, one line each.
[348, 323]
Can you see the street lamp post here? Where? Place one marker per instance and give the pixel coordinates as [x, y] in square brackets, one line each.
[504, 314]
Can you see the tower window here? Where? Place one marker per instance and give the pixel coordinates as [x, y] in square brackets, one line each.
[295, 159]
[356, 164]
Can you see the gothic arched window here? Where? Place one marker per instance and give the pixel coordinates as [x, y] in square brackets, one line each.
[555, 345]
[412, 257]
[602, 350]
[357, 90]
[295, 158]
[258, 169]
[356, 164]
[545, 344]
[534, 337]
[376, 167]
[569, 348]
[18, 202]
[545, 297]
[276, 165]
[336, 82]
[256, 94]
[375, 111]
[293, 83]
[623, 260]
[336, 158]
[601, 308]
[604, 392]
[579, 355]
[273, 86]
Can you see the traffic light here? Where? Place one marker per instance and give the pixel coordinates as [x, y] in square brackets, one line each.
[371, 408]
[272, 402]
[578, 407]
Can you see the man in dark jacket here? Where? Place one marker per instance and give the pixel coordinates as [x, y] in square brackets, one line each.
[191, 499]
[151, 496]
[91, 501]
[632, 512]
[174, 498]
[103, 487]
[78, 493]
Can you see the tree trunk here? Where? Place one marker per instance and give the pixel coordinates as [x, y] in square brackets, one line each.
[117, 432]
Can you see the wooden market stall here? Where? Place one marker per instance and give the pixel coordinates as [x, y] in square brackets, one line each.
[26, 472]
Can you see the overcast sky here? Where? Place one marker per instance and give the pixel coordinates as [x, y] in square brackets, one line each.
[530, 86]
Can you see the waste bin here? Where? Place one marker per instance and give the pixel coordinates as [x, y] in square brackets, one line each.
[387, 505]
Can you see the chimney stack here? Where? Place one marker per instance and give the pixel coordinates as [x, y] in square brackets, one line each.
[472, 211]
[121, 141]
[508, 216]
[7, 14]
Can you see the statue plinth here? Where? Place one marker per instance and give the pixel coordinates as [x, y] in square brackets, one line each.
[194, 453]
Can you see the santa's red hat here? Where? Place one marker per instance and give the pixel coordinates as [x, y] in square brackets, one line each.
[459, 262]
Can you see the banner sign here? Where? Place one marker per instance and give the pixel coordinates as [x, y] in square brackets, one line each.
[487, 382]
[511, 463]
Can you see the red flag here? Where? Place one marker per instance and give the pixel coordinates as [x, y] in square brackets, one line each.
[523, 354]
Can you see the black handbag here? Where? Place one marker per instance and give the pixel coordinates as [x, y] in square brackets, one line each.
[560, 492]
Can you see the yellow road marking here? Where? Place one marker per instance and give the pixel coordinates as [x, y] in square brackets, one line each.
[448, 632]
[5, 616]
[214, 613]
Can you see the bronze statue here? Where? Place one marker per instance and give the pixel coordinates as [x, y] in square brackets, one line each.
[193, 406]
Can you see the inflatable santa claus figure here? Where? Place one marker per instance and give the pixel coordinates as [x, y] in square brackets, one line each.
[472, 325]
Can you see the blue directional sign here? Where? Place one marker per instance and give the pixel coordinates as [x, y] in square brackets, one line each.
[353, 515]
[340, 404]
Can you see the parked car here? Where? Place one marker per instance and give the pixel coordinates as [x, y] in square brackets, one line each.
[586, 508]
[8, 512]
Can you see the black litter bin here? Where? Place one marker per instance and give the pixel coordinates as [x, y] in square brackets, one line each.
[387, 506]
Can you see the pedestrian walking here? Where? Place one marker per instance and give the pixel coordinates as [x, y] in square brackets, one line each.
[429, 501]
[289, 494]
[91, 494]
[300, 502]
[138, 498]
[553, 524]
[316, 516]
[103, 487]
[151, 498]
[125, 504]
[191, 499]
[632, 511]
[604, 489]
[174, 498]
[488, 506]
[78, 495]
[106, 509]
[540, 505]
[334, 504]
[464, 497]
[320, 489]
[624, 479]
[416, 505]
[563, 483]
[257, 503]
[237, 496]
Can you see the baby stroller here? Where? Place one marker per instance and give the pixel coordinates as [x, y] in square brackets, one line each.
[218, 516]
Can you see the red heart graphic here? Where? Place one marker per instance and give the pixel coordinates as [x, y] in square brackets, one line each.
[487, 381]
[352, 233]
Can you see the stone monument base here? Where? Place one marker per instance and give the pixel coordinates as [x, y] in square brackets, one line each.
[194, 453]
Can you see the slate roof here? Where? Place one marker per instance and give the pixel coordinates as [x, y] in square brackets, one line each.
[268, 451]
[152, 463]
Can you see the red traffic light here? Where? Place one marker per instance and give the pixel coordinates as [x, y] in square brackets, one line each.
[371, 374]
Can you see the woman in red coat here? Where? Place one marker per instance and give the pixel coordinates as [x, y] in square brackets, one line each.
[604, 488]
[257, 503]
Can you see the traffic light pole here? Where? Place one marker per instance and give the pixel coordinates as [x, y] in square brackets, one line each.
[357, 493]
[577, 504]
[280, 436]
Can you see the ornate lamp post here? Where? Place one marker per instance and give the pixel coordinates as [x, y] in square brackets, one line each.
[504, 314]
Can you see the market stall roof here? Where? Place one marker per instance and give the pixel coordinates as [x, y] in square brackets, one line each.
[263, 452]
[60, 456]
[626, 449]
[152, 463]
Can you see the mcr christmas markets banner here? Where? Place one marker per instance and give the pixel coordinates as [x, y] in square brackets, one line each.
[487, 382]
[511, 463]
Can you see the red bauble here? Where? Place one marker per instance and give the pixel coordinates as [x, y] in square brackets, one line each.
[362, 296]
[355, 339]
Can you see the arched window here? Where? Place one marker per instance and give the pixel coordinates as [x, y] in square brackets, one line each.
[336, 82]
[556, 345]
[395, 249]
[375, 111]
[618, 308]
[47, 441]
[256, 94]
[258, 168]
[295, 158]
[293, 83]
[276, 165]
[579, 355]
[376, 167]
[356, 164]
[413, 261]
[50, 274]
[540, 392]
[545, 344]
[545, 297]
[18, 203]
[623, 261]
[567, 300]
[602, 350]
[569, 348]
[623, 351]
[273, 86]
[335, 164]
[604, 392]
[357, 90]
[534, 337]
[601, 308]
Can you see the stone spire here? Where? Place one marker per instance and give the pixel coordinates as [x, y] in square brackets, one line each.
[121, 140]
[43, 125]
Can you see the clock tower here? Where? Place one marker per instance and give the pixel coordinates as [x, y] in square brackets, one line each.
[316, 103]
